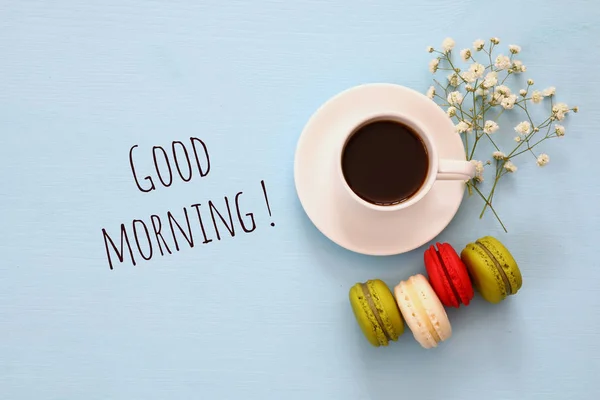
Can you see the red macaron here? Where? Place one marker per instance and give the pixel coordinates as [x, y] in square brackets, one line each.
[448, 275]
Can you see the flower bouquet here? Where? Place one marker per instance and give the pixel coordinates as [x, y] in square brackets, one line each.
[481, 86]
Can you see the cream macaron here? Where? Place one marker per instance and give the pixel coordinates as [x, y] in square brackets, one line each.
[423, 311]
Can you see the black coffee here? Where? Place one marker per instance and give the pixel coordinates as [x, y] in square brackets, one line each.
[385, 162]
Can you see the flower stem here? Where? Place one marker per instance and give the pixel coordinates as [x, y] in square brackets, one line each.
[493, 143]
[491, 195]
[474, 145]
[530, 147]
[498, 116]
[491, 208]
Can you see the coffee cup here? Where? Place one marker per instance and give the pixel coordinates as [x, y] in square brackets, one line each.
[389, 161]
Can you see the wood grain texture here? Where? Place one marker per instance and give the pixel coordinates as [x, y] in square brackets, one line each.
[265, 314]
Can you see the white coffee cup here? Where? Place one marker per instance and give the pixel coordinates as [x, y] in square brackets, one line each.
[439, 169]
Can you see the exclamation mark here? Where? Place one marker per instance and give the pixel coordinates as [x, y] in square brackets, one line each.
[262, 183]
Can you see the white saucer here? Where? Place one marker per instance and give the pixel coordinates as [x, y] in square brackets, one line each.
[338, 216]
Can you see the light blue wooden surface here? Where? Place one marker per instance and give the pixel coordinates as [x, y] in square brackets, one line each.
[265, 315]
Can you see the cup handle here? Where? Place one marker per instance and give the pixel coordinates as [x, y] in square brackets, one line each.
[449, 170]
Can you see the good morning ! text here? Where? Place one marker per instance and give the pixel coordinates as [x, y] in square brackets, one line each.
[197, 224]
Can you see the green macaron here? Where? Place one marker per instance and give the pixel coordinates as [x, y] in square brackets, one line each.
[493, 269]
[376, 312]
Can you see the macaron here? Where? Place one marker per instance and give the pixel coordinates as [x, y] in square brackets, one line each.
[494, 271]
[376, 312]
[448, 275]
[423, 311]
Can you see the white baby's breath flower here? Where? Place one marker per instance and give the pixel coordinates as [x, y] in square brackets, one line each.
[508, 102]
[523, 128]
[465, 54]
[523, 92]
[478, 44]
[497, 97]
[469, 88]
[514, 48]
[451, 112]
[477, 69]
[502, 62]
[510, 167]
[490, 127]
[551, 91]
[481, 92]
[478, 166]
[542, 160]
[518, 66]
[463, 126]
[448, 44]
[498, 155]
[537, 97]
[495, 40]
[431, 92]
[453, 79]
[575, 109]
[530, 81]
[455, 98]
[479, 169]
[503, 90]
[468, 76]
[560, 130]
[429, 49]
[517, 139]
[490, 79]
[433, 65]
[559, 110]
